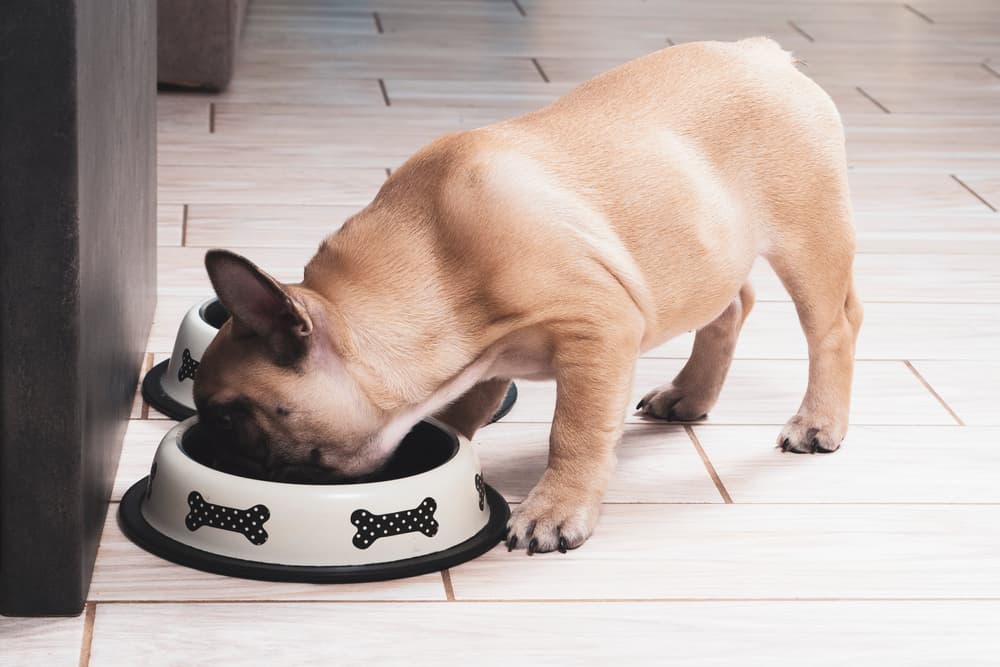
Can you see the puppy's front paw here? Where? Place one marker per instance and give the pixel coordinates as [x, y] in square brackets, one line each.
[675, 403]
[552, 518]
[805, 434]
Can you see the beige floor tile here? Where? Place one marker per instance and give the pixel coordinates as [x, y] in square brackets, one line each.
[914, 98]
[499, 9]
[169, 224]
[170, 310]
[318, 87]
[446, 40]
[901, 278]
[970, 388]
[944, 12]
[183, 113]
[656, 463]
[890, 331]
[910, 194]
[932, 143]
[208, 185]
[137, 401]
[556, 633]
[769, 392]
[757, 551]
[885, 52]
[966, 232]
[521, 95]
[226, 225]
[987, 187]
[182, 270]
[338, 23]
[223, 150]
[876, 464]
[126, 572]
[302, 69]
[141, 440]
[40, 641]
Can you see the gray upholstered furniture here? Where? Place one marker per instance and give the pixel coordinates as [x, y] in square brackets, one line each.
[77, 279]
[197, 41]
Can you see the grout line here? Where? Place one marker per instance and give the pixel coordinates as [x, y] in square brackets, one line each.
[802, 32]
[449, 590]
[184, 226]
[385, 93]
[972, 192]
[919, 13]
[211, 118]
[564, 600]
[872, 99]
[988, 68]
[927, 385]
[378, 22]
[88, 633]
[520, 9]
[541, 72]
[709, 467]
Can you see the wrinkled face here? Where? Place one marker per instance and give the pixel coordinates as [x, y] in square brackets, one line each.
[273, 392]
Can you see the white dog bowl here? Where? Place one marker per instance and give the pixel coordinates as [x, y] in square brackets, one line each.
[168, 385]
[427, 510]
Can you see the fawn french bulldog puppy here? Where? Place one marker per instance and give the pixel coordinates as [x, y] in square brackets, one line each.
[560, 244]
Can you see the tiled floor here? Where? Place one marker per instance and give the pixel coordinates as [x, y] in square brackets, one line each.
[713, 549]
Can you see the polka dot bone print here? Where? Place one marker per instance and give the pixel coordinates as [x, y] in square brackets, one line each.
[248, 522]
[371, 527]
[189, 366]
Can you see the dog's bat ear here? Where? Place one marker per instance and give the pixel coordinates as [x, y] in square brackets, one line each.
[255, 300]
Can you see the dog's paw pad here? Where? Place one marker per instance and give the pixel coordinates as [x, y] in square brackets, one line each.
[673, 403]
[803, 435]
[543, 523]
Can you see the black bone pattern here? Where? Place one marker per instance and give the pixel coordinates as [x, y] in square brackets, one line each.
[189, 366]
[249, 522]
[481, 488]
[371, 527]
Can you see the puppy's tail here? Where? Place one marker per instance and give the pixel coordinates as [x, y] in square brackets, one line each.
[772, 49]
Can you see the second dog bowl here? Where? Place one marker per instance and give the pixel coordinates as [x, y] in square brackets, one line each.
[428, 509]
[168, 385]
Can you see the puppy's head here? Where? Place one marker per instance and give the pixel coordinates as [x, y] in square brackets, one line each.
[273, 388]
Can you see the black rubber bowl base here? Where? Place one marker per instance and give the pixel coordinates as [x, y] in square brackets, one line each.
[135, 527]
[152, 391]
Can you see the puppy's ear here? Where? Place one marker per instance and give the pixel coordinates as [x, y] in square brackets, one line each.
[257, 302]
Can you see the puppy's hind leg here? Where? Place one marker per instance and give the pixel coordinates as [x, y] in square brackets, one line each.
[475, 407]
[696, 388]
[816, 272]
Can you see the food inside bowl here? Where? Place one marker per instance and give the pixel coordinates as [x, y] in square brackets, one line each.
[423, 449]
[214, 313]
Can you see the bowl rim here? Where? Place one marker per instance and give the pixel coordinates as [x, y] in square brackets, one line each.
[458, 441]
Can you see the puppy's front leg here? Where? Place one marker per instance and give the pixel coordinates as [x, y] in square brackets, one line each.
[594, 380]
